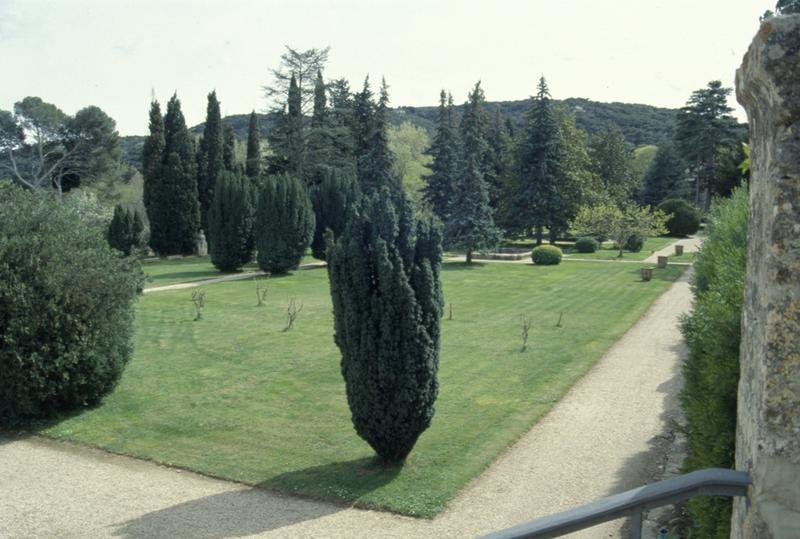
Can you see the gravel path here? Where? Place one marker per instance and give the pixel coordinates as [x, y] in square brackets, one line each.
[234, 277]
[599, 439]
[690, 245]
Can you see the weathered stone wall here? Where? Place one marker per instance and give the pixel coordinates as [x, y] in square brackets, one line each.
[768, 436]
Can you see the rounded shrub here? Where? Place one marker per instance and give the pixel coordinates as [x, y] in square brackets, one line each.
[66, 308]
[685, 218]
[546, 255]
[586, 244]
[634, 243]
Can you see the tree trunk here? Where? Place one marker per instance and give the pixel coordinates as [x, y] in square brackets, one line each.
[539, 233]
[469, 256]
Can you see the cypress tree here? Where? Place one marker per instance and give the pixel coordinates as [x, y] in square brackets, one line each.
[253, 164]
[363, 110]
[469, 222]
[231, 222]
[228, 148]
[375, 166]
[178, 219]
[332, 198]
[286, 139]
[125, 230]
[540, 167]
[663, 177]
[152, 160]
[284, 223]
[210, 158]
[387, 305]
[440, 185]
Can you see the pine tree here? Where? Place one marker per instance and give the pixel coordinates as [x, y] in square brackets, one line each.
[210, 158]
[228, 148]
[286, 139]
[152, 160]
[176, 223]
[363, 111]
[253, 166]
[375, 166]
[439, 191]
[470, 223]
[231, 222]
[284, 223]
[332, 199]
[540, 167]
[387, 304]
[663, 177]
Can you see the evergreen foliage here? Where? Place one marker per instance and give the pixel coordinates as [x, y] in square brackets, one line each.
[175, 219]
[284, 223]
[152, 161]
[210, 163]
[711, 370]
[228, 148]
[253, 162]
[362, 124]
[231, 222]
[66, 309]
[546, 255]
[440, 186]
[586, 244]
[287, 139]
[125, 230]
[470, 224]
[387, 304]
[663, 177]
[684, 219]
[375, 166]
[787, 7]
[332, 199]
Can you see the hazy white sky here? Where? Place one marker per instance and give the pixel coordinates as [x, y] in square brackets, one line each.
[112, 53]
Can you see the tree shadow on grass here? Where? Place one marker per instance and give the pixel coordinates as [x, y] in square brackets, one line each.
[250, 511]
[458, 266]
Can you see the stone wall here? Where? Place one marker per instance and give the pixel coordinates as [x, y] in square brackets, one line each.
[768, 436]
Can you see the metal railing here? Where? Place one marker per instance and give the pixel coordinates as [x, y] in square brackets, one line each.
[632, 503]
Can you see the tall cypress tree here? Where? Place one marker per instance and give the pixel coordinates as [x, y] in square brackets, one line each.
[231, 222]
[375, 166]
[387, 305]
[470, 223]
[284, 223]
[210, 158]
[178, 220]
[332, 198]
[152, 160]
[253, 164]
[439, 190]
[228, 148]
[540, 167]
[363, 110]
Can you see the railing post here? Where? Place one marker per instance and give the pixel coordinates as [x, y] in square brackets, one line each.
[636, 524]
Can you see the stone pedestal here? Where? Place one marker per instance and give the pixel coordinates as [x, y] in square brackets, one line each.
[662, 261]
[768, 422]
[647, 274]
[678, 250]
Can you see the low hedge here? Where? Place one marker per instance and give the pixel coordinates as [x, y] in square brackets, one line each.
[546, 255]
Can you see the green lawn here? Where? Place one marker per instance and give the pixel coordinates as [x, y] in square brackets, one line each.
[235, 396]
[194, 268]
[608, 252]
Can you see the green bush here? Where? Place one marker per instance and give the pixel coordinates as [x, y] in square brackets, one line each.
[634, 243]
[685, 218]
[125, 231]
[546, 255]
[230, 222]
[711, 371]
[586, 244]
[66, 308]
[284, 223]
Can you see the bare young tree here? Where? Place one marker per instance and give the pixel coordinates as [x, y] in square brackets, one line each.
[262, 287]
[304, 65]
[199, 300]
[560, 316]
[526, 326]
[292, 310]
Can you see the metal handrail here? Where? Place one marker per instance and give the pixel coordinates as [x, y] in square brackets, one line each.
[632, 503]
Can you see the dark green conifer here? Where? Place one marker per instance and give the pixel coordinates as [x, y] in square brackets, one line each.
[387, 304]
[152, 161]
[287, 138]
[210, 158]
[228, 148]
[375, 166]
[332, 198]
[125, 230]
[231, 222]
[253, 164]
[284, 223]
[439, 190]
[663, 177]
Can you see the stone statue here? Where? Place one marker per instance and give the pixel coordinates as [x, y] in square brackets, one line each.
[202, 245]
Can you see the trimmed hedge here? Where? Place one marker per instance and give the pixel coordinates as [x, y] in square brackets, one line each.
[546, 255]
[685, 219]
[66, 308]
[586, 244]
[634, 243]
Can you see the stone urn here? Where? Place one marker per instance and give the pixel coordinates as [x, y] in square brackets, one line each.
[662, 261]
[678, 250]
[647, 274]
[201, 244]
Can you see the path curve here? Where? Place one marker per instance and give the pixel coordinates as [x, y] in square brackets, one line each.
[596, 441]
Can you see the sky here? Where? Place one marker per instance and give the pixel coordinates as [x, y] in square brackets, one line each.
[116, 54]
